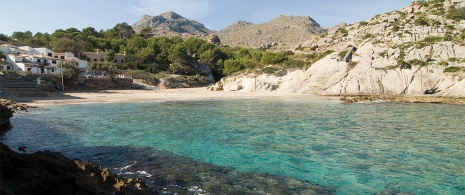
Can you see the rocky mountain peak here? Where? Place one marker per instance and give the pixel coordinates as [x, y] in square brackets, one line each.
[171, 15]
[170, 24]
[305, 20]
[279, 32]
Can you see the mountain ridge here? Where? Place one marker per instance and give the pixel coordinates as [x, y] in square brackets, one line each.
[170, 24]
[281, 31]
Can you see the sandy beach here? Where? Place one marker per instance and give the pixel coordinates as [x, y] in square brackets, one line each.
[112, 96]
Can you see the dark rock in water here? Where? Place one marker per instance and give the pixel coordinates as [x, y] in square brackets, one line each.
[7, 108]
[52, 173]
[5, 115]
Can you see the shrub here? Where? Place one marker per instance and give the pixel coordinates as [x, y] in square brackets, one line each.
[417, 62]
[443, 63]
[343, 54]
[269, 70]
[383, 54]
[404, 65]
[453, 69]
[344, 31]
[432, 39]
[456, 14]
[231, 66]
[294, 64]
[367, 36]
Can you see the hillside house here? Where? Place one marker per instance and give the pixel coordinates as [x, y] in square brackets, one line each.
[100, 56]
[69, 57]
[37, 60]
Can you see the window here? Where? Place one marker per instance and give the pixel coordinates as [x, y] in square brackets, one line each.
[54, 62]
[88, 59]
[95, 60]
[38, 60]
[122, 61]
[101, 60]
[62, 57]
[77, 64]
[56, 56]
[116, 60]
[49, 54]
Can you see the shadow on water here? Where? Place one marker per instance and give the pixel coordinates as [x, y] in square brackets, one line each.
[163, 171]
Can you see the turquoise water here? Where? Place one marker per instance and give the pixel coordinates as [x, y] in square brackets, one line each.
[349, 148]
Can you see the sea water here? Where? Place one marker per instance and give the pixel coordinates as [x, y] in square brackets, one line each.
[347, 148]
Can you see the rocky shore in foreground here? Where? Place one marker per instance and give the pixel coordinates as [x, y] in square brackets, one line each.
[49, 172]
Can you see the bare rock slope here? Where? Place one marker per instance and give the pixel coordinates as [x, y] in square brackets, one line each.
[171, 24]
[281, 31]
[417, 50]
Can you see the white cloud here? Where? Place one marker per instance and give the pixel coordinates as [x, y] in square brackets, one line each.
[188, 8]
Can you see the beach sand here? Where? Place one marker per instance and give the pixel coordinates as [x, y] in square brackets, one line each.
[112, 96]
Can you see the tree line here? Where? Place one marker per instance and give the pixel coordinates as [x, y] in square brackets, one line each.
[156, 54]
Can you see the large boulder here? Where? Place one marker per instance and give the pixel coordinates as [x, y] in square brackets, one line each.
[5, 114]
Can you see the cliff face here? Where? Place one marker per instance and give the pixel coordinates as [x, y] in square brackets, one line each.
[414, 51]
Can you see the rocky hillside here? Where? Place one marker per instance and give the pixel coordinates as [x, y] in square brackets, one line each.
[170, 24]
[280, 32]
[417, 50]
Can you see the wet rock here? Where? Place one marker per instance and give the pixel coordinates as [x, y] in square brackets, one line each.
[7, 108]
[49, 172]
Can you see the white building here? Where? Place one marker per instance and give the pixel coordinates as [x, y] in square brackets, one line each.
[37, 60]
[69, 57]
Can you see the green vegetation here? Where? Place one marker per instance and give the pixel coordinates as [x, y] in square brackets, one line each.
[395, 28]
[453, 69]
[344, 31]
[70, 72]
[429, 40]
[417, 62]
[456, 14]
[443, 63]
[154, 55]
[368, 36]
[421, 21]
[343, 54]
[383, 54]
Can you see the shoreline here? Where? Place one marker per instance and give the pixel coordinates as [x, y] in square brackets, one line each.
[183, 94]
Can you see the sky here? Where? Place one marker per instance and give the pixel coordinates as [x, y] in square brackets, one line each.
[50, 15]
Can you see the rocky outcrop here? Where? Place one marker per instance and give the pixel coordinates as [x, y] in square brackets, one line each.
[281, 32]
[7, 108]
[170, 24]
[417, 50]
[52, 173]
[5, 115]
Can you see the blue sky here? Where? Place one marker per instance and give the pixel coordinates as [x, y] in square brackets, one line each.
[49, 15]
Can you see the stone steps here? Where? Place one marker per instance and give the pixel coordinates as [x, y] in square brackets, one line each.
[20, 88]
